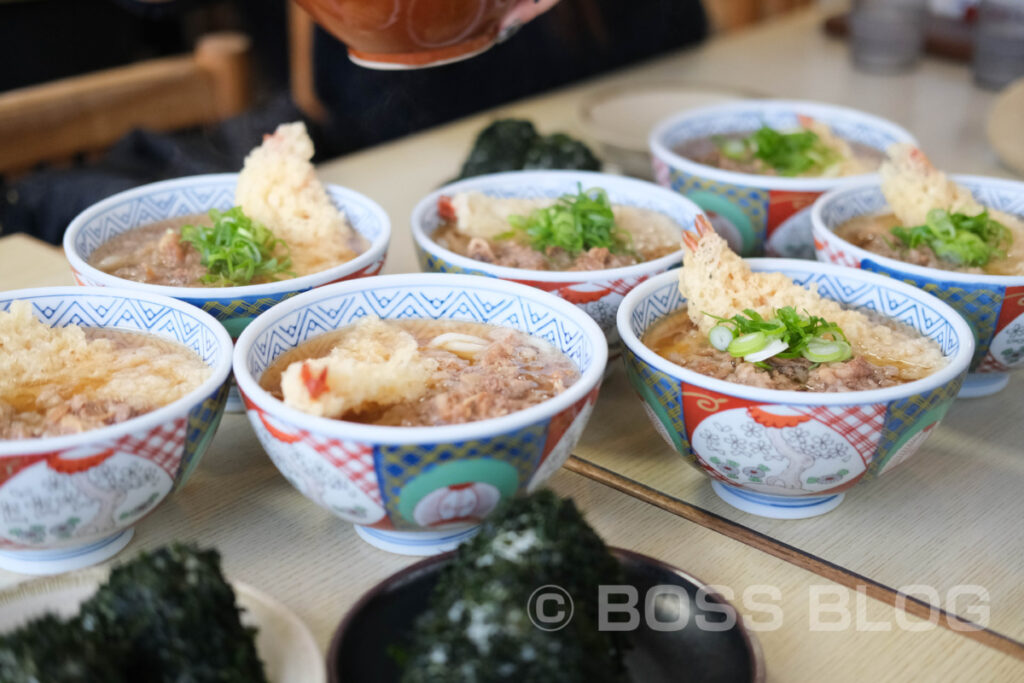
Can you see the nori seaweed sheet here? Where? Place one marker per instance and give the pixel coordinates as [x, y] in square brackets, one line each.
[514, 144]
[477, 629]
[175, 608]
[50, 650]
[164, 617]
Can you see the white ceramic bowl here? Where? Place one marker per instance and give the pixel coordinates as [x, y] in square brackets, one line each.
[598, 292]
[792, 454]
[70, 501]
[234, 307]
[401, 486]
[993, 305]
[759, 213]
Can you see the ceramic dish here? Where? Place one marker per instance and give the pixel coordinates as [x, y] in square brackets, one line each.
[759, 213]
[598, 292]
[619, 118]
[728, 653]
[793, 454]
[284, 644]
[396, 483]
[234, 307]
[54, 518]
[993, 305]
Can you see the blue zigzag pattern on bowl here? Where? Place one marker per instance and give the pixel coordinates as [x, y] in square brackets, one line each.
[619, 192]
[123, 313]
[979, 304]
[655, 306]
[846, 126]
[478, 304]
[859, 201]
[852, 203]
[185, 198]
[921, 317]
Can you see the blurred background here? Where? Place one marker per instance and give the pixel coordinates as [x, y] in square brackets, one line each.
[101, 95]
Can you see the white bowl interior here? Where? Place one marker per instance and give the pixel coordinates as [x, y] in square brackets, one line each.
[921, 311]
[750, 115]
[551, 184]
[841, 205]
[483, 301]
[131, 311]
[197, 195]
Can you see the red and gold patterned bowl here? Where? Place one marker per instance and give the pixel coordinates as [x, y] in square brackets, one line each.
[793, 454]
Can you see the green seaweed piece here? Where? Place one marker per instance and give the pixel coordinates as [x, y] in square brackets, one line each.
[477, 628]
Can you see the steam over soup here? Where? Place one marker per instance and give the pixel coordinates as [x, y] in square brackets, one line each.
[419, 372]
[764, 330]
[811, 151]
[284, 225]
[936, 223]
[584, 231]
[72, 379]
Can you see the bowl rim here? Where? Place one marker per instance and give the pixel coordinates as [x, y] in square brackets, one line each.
[838, 194]
[616, 91]
[515, 178]
[756, 654]
[957, 363]
[376, 250]
[820, 110]
[220, 372]
[379, 434]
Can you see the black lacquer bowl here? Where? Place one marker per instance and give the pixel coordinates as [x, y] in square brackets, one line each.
[722, 652]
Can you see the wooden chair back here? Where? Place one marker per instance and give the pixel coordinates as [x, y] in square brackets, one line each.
[57, 121]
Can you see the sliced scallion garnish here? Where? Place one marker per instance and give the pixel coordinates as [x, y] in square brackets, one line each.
[720, 337]
[750, 336]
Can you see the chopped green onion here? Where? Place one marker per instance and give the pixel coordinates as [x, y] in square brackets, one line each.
[574, 223]
[957, 238]
[789, 154]
[788, 335]
[720, 337]
[822, 351]
[774, 348]
[747, 344]
[237, 249]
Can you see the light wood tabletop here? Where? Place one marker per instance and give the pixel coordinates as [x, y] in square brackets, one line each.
[273, 538]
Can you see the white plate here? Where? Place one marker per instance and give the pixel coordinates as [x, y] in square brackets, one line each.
[283, 642]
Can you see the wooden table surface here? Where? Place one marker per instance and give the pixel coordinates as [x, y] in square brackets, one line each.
[274, 539]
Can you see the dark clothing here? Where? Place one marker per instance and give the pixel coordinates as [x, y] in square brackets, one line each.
[576, 39]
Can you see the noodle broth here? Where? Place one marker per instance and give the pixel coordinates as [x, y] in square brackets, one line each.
[481, 371]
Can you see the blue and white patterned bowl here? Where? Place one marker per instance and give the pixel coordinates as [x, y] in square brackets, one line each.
[70, 501]
[598, 292]
[792, 454]
[420, 490]
[759, 213]
[993, 305]
[235, 307]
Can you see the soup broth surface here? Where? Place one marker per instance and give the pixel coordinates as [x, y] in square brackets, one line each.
[874, 234]
[482, 371]
[675, 338]
[705, 151]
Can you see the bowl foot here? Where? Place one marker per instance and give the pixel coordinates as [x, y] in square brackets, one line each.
[978, 384]
[415, 542]
[46, 562]
[776, 507]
